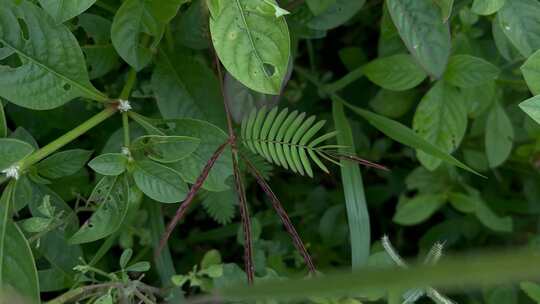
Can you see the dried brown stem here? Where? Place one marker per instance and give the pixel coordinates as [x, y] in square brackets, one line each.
[180, 213]
[278, 207]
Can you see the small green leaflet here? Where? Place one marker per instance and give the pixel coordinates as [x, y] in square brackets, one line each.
[404, 135]
[503, 44]
[531, 72]
[254, 46]
[487, 7]
[136, 17]
[63, 10]
[441, 119]
[467, 71]
[393, 104]
[63, 163]
[112, 195]
[110, 164]
[355, 197]
[418, 209]
[159, 182]
[520, 21]
[531, 106]
[221, 206]
[165, 149]
[499, 136]
[473, 203]
[49, 76]
[13, 150]
[397, 73]
[17, 268]
[421, 27]
[336, 14]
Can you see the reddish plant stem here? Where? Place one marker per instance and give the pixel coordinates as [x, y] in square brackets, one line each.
[238, 183]
[246, 221]
[180, 213]
[278, 207]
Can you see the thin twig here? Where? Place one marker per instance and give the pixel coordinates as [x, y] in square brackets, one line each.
[246, 221]
[189, 198]
[278, 207]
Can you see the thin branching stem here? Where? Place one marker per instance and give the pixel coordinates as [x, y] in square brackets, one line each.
[238, 183]
[278, 207]
[181, 212]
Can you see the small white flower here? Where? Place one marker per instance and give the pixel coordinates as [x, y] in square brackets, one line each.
[507, 27]
[12, 172]
[124, 105]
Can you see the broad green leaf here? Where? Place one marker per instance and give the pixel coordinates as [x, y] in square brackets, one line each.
[158, 182]
[532, 290]
[254, 46]
[336, 14]
[463, 202]
[187, 88]
[317, 7]
[13, 150]
[520, 22]
[53, 70]
[63, 10]
[499, 136]
[418, 209]
[440, 119]
[421, 27]
[393, 104]
[479, 99]
[405, 135]
[531, 72]
[110, 164]
[211, 138]
[446, 7]
[467, 71]
[17, 268]
[165, 149]
[531, 106]
[503, 44]
[487, 7]
[135, 19]
[3, 122]
[23, 135]
[111, 195]
[353, 187]
[63, 163]
[190, 28]
[397, 73]
[506, 294]
[100, 56]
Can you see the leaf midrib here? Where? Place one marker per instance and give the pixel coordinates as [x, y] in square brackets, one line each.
[248, 33]
[95, 94]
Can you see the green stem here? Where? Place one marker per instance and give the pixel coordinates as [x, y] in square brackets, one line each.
[126, 92]
[67, 138]
[345, 80]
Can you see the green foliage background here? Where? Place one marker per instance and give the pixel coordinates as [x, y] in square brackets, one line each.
[110, 110]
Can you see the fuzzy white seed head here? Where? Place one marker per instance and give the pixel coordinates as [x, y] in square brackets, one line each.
[124, 105]
[12, 172]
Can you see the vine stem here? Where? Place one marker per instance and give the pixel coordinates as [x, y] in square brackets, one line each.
[68, 137]
[181, 212]
[278, 207]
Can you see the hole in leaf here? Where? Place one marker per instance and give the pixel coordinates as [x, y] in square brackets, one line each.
[24, 29]
[13, 61]
[270, 69]
[66, 87]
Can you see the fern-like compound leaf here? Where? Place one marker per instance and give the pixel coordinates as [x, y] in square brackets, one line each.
[287, 139]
